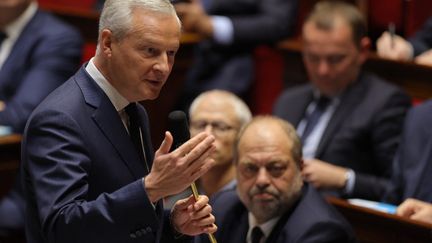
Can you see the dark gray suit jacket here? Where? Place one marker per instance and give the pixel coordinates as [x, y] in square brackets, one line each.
[310, 219]
[44, 56]
[412, 169]
[422, 40]
[363, 133]
[82, 175]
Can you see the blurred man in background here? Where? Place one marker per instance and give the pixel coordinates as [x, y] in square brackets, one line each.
[349, 121]
[38, 52]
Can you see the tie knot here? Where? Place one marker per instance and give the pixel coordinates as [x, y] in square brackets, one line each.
[322, 102]
[257, 234]
[131, 110]
[2, 36]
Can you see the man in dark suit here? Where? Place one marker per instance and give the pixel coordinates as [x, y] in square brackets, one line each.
[89, 171]
[417, 48]
[37, 54]
[231, 29]
[349, 120]
[272, 203]
[412, 168]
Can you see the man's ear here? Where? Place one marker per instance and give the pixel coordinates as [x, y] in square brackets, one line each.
[106, 42]
[365, 45]
[301, 164]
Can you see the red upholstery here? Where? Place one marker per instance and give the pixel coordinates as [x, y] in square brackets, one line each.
[71, 3]
[269, 65]
[89, 50]
[416, 13]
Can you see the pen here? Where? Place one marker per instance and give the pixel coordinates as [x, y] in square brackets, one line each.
[392, 30]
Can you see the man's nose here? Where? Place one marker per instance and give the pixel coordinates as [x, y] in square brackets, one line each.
[323, 67]
[263, 177]
[162, 64]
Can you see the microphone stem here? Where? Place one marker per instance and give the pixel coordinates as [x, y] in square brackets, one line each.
[196, 195]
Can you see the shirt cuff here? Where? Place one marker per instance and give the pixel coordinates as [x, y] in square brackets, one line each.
[143, 183]
[410, 51]
[223, 30]
[350, 181]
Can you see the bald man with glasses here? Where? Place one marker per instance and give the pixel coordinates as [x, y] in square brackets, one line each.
[222, 114]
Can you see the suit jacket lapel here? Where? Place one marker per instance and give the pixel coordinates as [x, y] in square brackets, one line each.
[295, 109]
[237, 227]
[109, 121]
[348, 101]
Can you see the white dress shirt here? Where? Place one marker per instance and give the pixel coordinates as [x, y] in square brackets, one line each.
[13, 31]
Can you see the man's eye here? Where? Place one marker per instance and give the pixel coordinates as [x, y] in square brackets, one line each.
[150, 50]
[171, 53]
[276, 170]
[335, 59]
[249, 170]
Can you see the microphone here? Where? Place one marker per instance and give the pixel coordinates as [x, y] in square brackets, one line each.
[179, 129]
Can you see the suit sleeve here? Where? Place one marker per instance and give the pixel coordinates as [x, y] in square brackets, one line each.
[422, 40]
[57, 168]
[385, 135]
[53, 60]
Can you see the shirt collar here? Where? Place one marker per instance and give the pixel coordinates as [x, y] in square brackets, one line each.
[266, 227]
[119, 101]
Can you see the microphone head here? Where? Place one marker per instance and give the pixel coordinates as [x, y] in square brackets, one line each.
[178, 127]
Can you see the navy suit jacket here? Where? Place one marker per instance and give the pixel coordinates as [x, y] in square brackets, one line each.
[363, 133]
[82, 175]
[412, 171]
[422, 40]
[45, 55]
[311, 219]
[230, 67]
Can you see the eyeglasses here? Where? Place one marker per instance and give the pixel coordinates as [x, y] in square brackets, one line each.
[274, 169]
[218, 127]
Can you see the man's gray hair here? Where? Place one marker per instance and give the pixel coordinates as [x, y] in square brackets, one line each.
[242, 111]
[117, 14]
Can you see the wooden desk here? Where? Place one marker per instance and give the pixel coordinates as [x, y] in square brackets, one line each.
[10, 147]
[373, 226]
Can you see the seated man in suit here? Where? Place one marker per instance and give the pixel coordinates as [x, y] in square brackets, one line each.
[416, 210]
[231, 29]
[89, 170]
[271, 202]
[412, 168]
[349, 121]
[221, 114]
[417, 48]
[38, 52]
